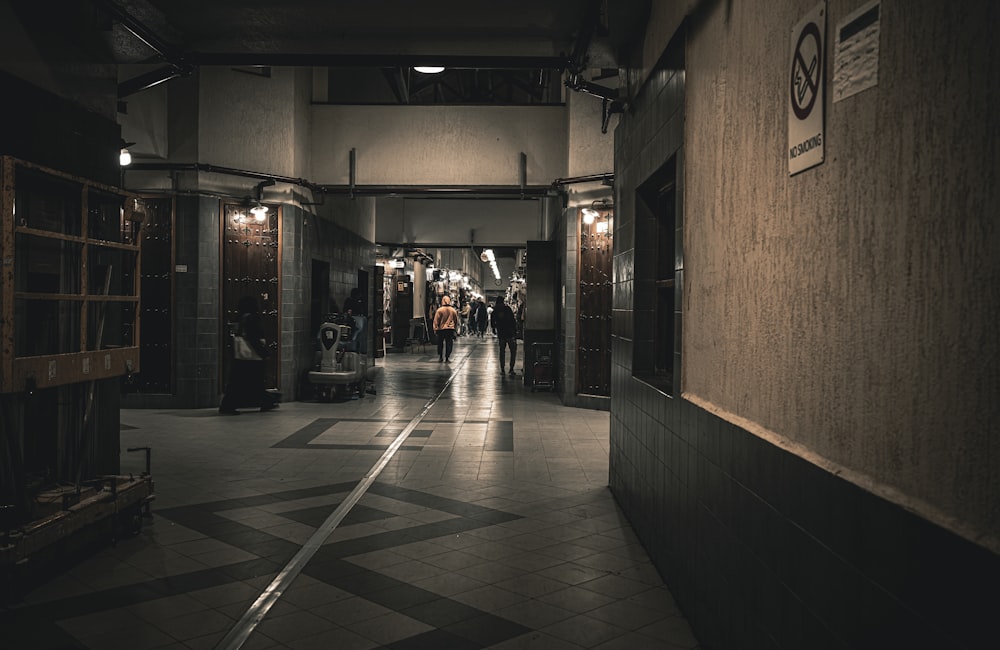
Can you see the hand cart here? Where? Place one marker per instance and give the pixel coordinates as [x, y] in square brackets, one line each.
[542, 370]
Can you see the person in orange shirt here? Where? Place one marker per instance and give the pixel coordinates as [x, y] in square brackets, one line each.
[445, 325]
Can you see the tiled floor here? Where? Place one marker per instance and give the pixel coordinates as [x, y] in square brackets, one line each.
[490, 526]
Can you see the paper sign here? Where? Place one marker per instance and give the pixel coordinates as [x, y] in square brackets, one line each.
[855, 66]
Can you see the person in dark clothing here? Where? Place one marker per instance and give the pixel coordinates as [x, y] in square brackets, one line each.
[473, 315]
[246, 376]
[355, 303]
[357, 311]
[503, 323]
[482, 318]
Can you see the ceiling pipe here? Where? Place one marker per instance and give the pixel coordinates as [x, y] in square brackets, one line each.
[230, 171]
[444, 191]
[607, 178]
[350, 190]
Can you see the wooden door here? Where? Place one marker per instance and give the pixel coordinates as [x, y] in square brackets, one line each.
[250, 263]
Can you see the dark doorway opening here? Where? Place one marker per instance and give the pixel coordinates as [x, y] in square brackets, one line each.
[319, 301]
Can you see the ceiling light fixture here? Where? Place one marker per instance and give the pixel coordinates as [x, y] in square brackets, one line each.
[429, 69]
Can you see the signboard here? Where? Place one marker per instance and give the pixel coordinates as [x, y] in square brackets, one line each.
[806, 81]
[855, 65]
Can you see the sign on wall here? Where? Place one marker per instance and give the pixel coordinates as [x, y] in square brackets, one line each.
[855, 65]
[806, 81]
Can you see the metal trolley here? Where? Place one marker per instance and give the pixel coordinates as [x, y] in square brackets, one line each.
[542, 367]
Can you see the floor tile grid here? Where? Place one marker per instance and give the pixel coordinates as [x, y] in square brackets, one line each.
[512, 567]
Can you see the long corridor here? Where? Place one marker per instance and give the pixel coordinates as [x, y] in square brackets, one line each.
[455, 509]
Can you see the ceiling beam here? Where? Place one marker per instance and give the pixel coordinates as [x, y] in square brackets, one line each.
[397, 83]
[332, 60]
[147, 80]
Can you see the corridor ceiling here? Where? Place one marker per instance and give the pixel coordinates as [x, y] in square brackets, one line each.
[525, 38]
[496, 52]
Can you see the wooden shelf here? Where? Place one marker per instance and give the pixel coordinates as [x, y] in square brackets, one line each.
[66, 239]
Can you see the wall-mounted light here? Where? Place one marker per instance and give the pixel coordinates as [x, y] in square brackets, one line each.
[429, 69]
[259, 212]
[257, 207]
[124, 157]
[589, 215]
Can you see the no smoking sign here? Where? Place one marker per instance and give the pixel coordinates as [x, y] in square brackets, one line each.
[807, 80]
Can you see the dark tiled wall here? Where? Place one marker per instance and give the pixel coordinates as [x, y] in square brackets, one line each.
[306, 237]
[196, 310]
[566, 237]
[196, 301]
[761, 548]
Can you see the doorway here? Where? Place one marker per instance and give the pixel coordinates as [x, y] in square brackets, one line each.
[593, 333]
[250, 263]
[319, 295]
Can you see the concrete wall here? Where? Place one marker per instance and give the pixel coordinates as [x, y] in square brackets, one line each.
[847, 311]
[438, 145]
[145, 120]
[457, 222]
[588, 150]
[827, 475]
[251, 122]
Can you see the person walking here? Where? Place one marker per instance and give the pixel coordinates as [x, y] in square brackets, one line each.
[503, 323]
[474, 317]
[357, 310]
[445, 324]
[246, 376]
[482, 318]
[464, 312]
